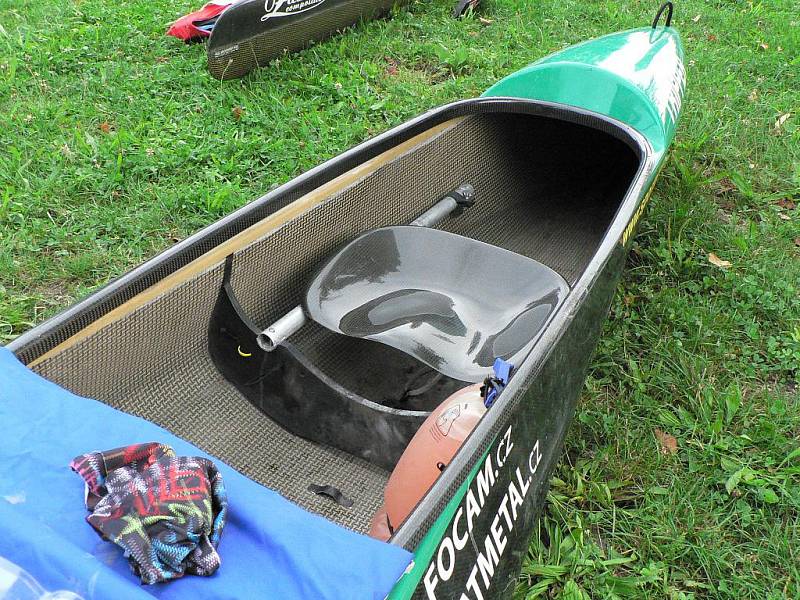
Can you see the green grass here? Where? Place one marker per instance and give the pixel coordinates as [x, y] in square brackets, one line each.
[115, 142]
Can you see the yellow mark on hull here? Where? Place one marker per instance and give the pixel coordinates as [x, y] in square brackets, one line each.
[628, 233]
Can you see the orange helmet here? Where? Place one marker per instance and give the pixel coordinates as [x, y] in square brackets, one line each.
[426, 456]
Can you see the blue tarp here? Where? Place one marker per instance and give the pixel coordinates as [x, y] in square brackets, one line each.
[270, 548]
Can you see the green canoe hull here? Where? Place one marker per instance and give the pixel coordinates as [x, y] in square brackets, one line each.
[636, 77]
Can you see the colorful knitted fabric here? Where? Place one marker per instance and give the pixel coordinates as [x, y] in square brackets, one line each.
[165, 511]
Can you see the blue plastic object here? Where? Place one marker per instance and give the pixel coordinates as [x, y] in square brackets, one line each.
[495, 385]
[270, 548]
[502, 370]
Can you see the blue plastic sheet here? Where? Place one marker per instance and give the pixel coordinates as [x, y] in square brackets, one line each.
[270, 548]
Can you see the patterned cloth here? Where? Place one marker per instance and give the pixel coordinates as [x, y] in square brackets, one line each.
[166, 512]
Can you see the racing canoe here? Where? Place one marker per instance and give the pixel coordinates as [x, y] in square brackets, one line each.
[562, 157]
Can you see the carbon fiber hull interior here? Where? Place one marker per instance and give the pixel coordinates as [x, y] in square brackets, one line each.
[547, 188]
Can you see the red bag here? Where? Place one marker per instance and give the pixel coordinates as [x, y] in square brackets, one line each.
[197, 25]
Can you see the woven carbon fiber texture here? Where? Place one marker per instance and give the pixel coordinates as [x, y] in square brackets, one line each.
[543, 190]
[242, 42]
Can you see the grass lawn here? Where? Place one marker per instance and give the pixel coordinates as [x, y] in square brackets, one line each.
[682, 472]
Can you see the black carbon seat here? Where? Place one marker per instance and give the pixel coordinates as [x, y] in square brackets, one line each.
[452, 302]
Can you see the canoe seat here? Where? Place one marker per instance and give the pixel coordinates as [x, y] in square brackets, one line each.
[452, 302]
